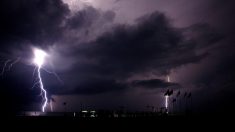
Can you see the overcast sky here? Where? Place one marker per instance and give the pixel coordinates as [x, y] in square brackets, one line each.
[112, 53]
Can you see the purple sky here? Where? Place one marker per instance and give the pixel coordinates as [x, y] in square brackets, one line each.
[112, 53]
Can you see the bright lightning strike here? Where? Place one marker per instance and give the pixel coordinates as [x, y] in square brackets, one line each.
[166, 101]
[39, 58]
[167, 96]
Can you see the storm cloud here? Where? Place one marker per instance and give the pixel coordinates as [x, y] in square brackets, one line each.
[96, 49]
[152, 45]
[36, 21]
[94, 54]
[154, 84]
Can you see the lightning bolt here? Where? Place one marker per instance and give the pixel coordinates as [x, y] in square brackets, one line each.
[166, 101]
[167, 96]
[42, 90]
[4, 67]
[39, 60]
[11, 63]
[39, 83]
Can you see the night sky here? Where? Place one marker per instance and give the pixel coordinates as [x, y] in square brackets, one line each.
[118, 53]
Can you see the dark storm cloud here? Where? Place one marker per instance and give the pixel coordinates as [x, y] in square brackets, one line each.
[86, 25]
[153, 84]
[204, 35]
[34, 21]
[96, 86]
[96, 55]
[217, 81]
[89, 16]
[221, 14]
[152, 44]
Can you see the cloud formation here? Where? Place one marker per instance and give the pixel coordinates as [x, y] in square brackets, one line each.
[92, 53]
[154, 84]
[91, 49]
[36, 21]
[152, 44]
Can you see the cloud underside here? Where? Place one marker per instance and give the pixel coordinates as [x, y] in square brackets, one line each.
[98, 55]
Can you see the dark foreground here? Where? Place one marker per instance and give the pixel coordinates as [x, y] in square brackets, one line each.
[157, 123]
[115, 121]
